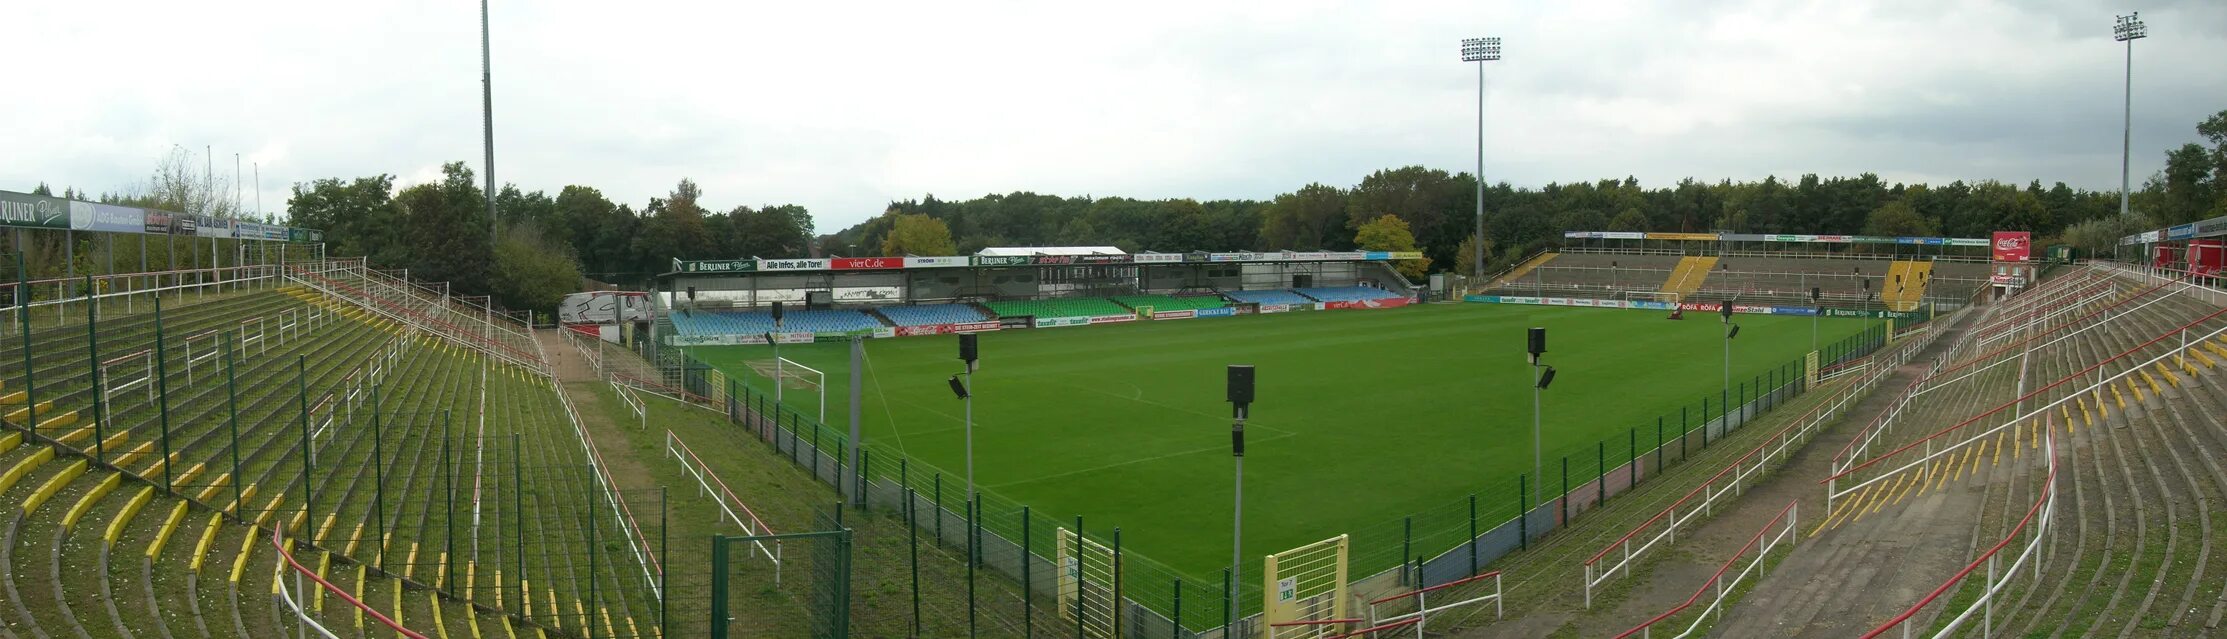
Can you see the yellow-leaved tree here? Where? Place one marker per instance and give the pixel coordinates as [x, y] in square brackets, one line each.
[1390, 233]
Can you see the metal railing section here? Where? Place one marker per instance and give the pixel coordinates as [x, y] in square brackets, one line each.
[2035, 525]
[1762, 543]
[716, 489]
[301, 572]
[1420, 617]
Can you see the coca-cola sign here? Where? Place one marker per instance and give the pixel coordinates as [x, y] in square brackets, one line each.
[2013, 246]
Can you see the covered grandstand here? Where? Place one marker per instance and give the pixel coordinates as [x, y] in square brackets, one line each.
[732, 301]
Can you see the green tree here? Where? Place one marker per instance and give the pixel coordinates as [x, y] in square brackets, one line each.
[532, 271]
[1305, 220]
[1390, 233]
[444, 225]
[358, 217]
[1629, 220]
[915, 234]
[1899, 220]
[1465, 260]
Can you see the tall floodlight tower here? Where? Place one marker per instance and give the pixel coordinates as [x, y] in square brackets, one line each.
[2128, 29]
[1480, 51]
[487, 117]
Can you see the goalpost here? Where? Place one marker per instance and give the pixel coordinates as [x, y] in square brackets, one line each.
[810, 377]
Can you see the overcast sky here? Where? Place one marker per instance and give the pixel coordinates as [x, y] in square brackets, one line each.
[843, 106]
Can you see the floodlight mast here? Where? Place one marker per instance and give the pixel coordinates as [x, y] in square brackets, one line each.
[2128, 29]
[1480, 51]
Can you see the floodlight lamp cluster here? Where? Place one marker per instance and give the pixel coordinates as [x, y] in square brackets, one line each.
[2129, 27]
[1480, 49]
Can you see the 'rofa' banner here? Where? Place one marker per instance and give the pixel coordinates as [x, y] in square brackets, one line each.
[2013, 246]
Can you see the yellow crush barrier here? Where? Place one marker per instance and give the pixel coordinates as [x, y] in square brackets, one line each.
[359, 595]
[191, 474]
[397, 614]
[239, 563]
[265, 516]
[131, 509]
[327, 527]
[211, 490]
[24, 468]
[2175, 380]
[12, 399]
[126, 459]
[85, 503]
[63, 420]
[438, 624]
[53, 485]
[608, 629]
[208, 537]
[410, 563]
[177, 514]
[17, 415]
[115, 440]
[11, 440]
[324, 564]
[71, 437]
[354, 538]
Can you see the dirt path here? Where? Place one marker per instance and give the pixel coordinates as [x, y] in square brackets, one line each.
[578, 383]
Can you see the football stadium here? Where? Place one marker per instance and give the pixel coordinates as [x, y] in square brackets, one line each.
[420, 404]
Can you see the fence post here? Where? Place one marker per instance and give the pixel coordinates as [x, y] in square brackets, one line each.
[1229, 606]
[1562, 500]
[1523, 515]
[1705, 420]
[378, 475]
[593, 555]
[30, 374]
[518, 509]
[939, 509]
[1115, 607]
[718, 588]
[1683, 425]
[865, 462]
[970, 564]
[1600, 472]
[1175, 623]
[1407, 541]
[100, 408]
[162, 385]
[1659, 443]
[448, 496]
[664, 549]
[1028, 580]
[1472, 540]
[309, 461]
[232, 424]
[912, 531]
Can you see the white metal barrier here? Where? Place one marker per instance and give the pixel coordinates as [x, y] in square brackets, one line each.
[708, 484]
[1420, 617]
[1784, 525]
[2036, 526]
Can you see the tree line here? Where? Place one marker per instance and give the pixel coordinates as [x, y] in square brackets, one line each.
[1439, 207]
[546, 244]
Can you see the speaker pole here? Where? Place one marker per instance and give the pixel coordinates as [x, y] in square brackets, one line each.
[1536, 345]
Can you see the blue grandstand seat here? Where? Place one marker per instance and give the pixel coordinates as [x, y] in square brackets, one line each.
[930, 314]
[1268, 297]
[1346, 293]
[754, 322]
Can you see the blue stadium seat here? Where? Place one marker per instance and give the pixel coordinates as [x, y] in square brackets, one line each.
[930, 314]
[1268, 297]
[1347, 293]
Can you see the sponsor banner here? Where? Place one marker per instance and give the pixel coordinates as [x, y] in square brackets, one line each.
[1407, 255]
[1112, 319]
[1168, 315]
[1240, 257]
[1101, 259]
[715, 266]
[254, 231]
[945, 329]
[1197, 257]
[1377, 255]
[34, 211]
[1275, 308]
[2211, 227]
[1049, 322]
[1965, 241]
[1311, 256]
[2179, 232]
[155, 223]
[214, 227]
[1652, 306]
[1481, 299]
[2008, 280]
[1157, 258]
[86, 216]
[1695, 237]
[1019, 321]
[801, 264]
[1346, 256]
[1051, 260]
[866, 263]
[1394, 302]
[1000, 260]
[935, 262]
[1216, 312]
[2013, 246]
[1604, 235]
[186, 225]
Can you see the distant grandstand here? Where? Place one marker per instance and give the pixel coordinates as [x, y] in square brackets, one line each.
[730, 301]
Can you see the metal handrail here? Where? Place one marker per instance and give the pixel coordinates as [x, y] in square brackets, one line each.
[278, 541]
[1789, 514]
[2045, 506]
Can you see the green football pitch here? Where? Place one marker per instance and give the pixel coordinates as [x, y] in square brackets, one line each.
[1362, 418]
